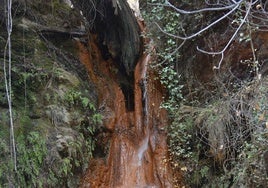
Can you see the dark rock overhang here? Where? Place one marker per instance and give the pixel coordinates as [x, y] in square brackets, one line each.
[119, 37]
[117, 28]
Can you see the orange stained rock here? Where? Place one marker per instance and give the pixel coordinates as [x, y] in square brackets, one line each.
[138, 147]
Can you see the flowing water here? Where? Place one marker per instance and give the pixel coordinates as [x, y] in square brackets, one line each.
[142, 149]
[137, 152]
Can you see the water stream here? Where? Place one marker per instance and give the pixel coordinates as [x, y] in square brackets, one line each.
[145, 107]
[142, 149]
[137, 144]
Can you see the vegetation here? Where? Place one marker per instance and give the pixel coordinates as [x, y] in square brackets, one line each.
[217, 102]
[53, 110]
[44, 158]
[218, 134]
[224, 141]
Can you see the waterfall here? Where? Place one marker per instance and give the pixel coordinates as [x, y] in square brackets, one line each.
[145, 91]
[137, 146]
[145, 109]
[145, 113]
[142, 149]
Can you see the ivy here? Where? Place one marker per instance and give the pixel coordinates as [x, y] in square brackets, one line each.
[237, 158]
[170, 79]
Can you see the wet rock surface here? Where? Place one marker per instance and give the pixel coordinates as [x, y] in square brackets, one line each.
[137, 149]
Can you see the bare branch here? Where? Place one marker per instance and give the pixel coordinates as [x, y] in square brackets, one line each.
[200, 10]
[231, 39]
[246, 8]
[202, 30]
[181, 11]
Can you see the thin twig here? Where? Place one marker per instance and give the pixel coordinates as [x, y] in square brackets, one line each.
[200, 10]
[200, 31]
[230, 40]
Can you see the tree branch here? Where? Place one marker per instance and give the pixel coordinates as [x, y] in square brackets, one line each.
[231, 39]
[202, 30]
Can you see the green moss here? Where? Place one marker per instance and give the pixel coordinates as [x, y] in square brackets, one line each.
[31, 153]
[44, 80]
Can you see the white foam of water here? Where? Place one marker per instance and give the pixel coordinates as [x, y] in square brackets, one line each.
[142, 149]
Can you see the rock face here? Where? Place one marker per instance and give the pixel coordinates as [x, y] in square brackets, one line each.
[135, 6]
[55, 96]
[117, 29]
[132, 148]
[137, 154]
[52, 105]
[118, 37]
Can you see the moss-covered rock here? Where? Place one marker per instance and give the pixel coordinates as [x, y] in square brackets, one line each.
[53, 100]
